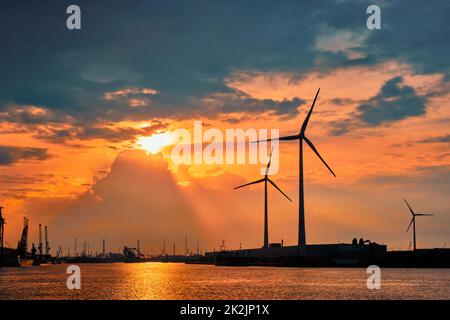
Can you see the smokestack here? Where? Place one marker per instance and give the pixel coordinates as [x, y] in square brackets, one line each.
[40, 240]
[185, 246]
[164, 248]
[198, 248]
[104, 247]
[47, 246]
[75, 252]
[138, 247]
[174, 252]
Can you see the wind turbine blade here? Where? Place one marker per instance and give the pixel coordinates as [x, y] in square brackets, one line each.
[409, 226]
[286, 138]
[412, 212]
[270, 160]
[305, 123]
[424, 214]
[317, 153]
[250, 183]
[273, 183]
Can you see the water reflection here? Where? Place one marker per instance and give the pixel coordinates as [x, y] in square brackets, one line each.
[180, 281]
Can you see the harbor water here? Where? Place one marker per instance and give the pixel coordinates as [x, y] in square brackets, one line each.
[181, 281]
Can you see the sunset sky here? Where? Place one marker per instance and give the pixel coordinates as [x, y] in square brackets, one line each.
[78, 110]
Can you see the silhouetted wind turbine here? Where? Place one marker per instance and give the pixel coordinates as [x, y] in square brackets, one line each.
[266, 179]
[300, 137]
[413, 221]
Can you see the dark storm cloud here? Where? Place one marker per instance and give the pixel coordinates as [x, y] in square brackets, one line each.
[415, 33]
[111, 134]
[10, 154]
[241, 102]
[182, 50]
[395, 101]
[25, 116]
[439, 139]
[341, 127]
[186, 51]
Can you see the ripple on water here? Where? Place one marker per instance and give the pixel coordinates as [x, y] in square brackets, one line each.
[180, 281]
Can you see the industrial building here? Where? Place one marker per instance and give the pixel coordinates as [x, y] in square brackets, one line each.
[317, 255]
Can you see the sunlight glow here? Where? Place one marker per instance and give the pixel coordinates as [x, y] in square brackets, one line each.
[156, 142]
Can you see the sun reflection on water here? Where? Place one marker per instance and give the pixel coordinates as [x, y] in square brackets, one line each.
[157, 281]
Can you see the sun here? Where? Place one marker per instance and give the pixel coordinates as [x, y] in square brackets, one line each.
[156, 142]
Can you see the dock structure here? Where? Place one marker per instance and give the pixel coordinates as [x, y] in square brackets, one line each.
[420, 258]
[316, 255]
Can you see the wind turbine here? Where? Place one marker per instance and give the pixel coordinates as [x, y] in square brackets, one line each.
[300, 137]
[266, 180]
[413, 221]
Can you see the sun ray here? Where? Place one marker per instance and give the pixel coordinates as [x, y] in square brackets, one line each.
[156, 142]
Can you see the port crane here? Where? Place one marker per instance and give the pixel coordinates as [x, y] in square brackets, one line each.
[22, 244]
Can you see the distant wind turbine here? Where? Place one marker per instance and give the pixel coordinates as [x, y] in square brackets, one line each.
[300, 137]
[266, 179]
[413, 221]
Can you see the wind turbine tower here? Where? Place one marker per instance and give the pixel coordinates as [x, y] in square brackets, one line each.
[413, 222]
[300, 137]
[266, 180]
